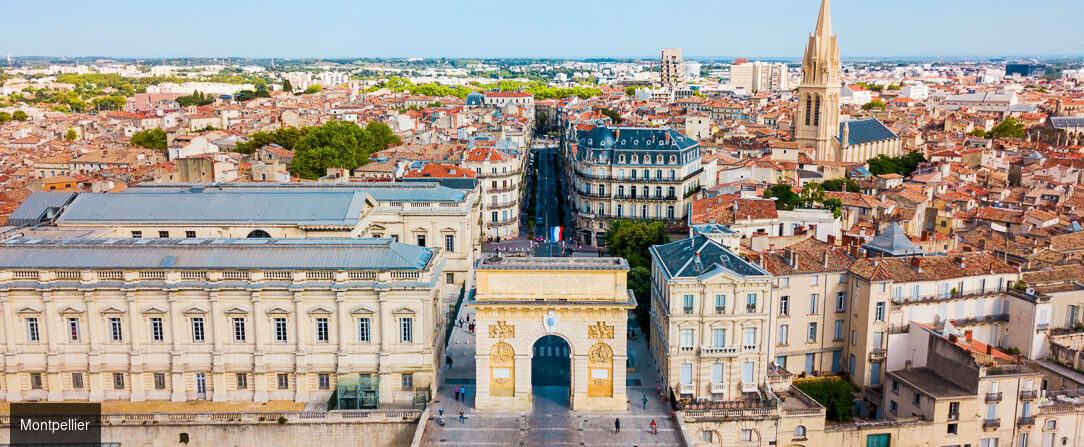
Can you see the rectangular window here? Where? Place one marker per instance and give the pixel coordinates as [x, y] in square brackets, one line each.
[77, 381]
[115, 333]
[837, 331]
[137, 234]
[918, 399]
[854, 338]
[813, 304]
[784, 306]
[749, 338]
[406, 330]
[163, 234]
[239, 330]
[895, 386]
[720, 304]
[449, 278]
[421, 240]
[449, 243]
[716, 372]
[813, 280]
[242, 381]
[952, 429]
[841, 301]
[118, 381]
[747, 435]
[283, 381]
[159, 381]
[897, 293]
[190, 234]
[32, 333]
[750, 303]
[363, 330]
[747, 370]
[35, 381]
[811, 335]
[323, 381]
[879, 312]
[988, 442]
[157, 332]
[322, 333]
[686, 373]
[718, 337]
[280, 330]
[784, 282]
[73, 329]
[687, 304]
[686, 338]
[408, 382]
[953, 411]
[782, 334]
[197, 330]
[893, 407]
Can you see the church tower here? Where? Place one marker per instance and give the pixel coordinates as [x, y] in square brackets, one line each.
[816, 123]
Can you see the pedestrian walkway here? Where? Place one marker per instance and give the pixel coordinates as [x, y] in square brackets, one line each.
[551, 422]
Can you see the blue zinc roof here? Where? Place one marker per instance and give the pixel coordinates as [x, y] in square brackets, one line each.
[40, 206]
[678, 259]
[207, 254]
[379, 191]
[865, 131]
[636, 138]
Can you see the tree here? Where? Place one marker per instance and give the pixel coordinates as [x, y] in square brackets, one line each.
[639, 280]
[630, 240]
[834, 393]
[287, 86]
[838, 184]
[812, 194]
[312, 89]
[876, 103]
[1010, 128]
[70, 135]
[835, 205]
[614, 116]
[1015, 175]
[20, 115]
[151, 138]
[902, 165]
[4, 117]
[785, 198]
[287, 137]
[382, 135]
[115, 102]
[248, 95]
[978, 132]
[338, 144]
[195, 99]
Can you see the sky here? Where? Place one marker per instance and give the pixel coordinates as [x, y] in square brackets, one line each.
[536, 29]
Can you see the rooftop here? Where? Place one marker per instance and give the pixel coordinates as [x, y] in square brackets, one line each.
[554, 263]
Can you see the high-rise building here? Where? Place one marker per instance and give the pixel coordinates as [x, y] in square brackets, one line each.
[758, 76]
[817, 119]
[672, 67]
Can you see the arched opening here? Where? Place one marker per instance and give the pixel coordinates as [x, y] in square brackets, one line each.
[258, 234]
[551, 372]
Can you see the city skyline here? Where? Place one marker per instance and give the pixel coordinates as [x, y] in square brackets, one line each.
[705, 30]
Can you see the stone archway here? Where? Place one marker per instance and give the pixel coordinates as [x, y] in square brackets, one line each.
[551, 322]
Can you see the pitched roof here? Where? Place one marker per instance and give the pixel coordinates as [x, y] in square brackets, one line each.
[933, 268]
[809, 256]
[728, 208]
[698, 256]
[865, 131]
[893, 241]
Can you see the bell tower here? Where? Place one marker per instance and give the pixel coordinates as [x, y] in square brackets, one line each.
[816, 122]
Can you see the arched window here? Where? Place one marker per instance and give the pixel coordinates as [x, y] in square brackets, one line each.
[799, 431]
[183, 438]
[808, 105]
[658, 159]
[635, 159]
[621, 158]
[258, 234]
[817, 112]
[673, 159]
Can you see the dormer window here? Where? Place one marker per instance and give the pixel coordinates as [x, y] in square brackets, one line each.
[621, 158]
[673, 159]
[658, 159]
[634, 159]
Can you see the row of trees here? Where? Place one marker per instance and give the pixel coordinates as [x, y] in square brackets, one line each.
[903, 165]
[811, 196]
[335, 144]
[195, 99]
[1010, 128]
[150, 138]
[539, 89]
[18, 115]
[631, 240]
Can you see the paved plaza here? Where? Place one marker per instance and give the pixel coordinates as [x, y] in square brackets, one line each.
[551, 422]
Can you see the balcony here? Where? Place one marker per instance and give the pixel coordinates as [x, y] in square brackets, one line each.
[719, 351]
[1029, 395]
[954, 416]
[993, 397]
[749, 348]
[718, 388]
[508, 221]
[596, 195]
[720, 310]
[877, 355]
[687, 388]
[503, 189]
[750, 308]
[991, 423]
[748, 387]
[688, 310]
[686, 349]
[642, 197]
[1025, 421]
[974, 293]
[505, 204]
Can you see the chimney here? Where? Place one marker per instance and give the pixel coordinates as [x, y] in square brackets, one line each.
[960, 261]
[989, 350]
[952, 338]
[967, 336]
[925, 235]
[826, 257]
[790, 255]
[831, 239]
[916, 262]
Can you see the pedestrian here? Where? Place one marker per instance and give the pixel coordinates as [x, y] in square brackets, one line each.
[442, 419]
[654, 429]
[448, 360]
[441, 412]
[644, 399]
[617, 425]
[472, 328]
[461, 322]
[658, 391]
[462, 419]
[457, 393]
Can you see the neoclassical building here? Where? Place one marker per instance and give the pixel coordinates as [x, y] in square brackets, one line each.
[217, 319]
[498, 175]
[710, 320]
[621, 173]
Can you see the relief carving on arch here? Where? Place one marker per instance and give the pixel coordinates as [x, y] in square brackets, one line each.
[600, 354]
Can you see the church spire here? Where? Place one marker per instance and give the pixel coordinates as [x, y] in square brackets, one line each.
[824, 20]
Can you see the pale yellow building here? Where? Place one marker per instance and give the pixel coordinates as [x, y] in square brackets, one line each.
[217, 319]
